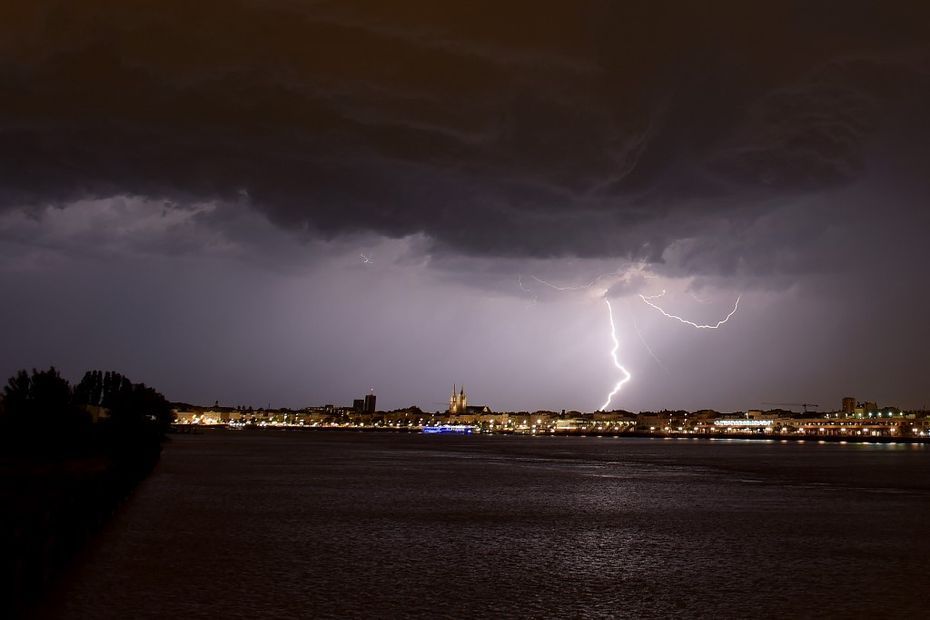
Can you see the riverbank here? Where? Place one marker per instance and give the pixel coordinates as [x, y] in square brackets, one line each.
[766, 437]
[51, 509]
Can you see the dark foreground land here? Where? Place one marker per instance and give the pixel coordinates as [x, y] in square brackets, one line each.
[68, 456]
[277, 524]
[52, 508]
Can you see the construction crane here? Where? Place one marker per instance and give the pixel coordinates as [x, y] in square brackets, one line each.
[804, 405]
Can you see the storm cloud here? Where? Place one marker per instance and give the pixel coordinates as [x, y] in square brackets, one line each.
[525, 130]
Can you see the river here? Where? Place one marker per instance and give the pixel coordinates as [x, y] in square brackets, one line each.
[344, 524]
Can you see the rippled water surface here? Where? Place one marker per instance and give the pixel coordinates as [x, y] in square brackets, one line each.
[336, 524]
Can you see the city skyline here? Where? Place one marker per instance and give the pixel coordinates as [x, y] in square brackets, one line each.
[727, 203]
[458, 405]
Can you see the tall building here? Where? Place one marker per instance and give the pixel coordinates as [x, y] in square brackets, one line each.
[849, 405]
[358, 405]
[458, 403]
[369, 403]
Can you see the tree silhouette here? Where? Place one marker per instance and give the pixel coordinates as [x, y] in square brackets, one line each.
[90, 390]
[128, 403]
[16, 394]
[40, 415]
[63, 473]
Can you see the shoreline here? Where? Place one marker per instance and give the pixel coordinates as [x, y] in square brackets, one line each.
[760, 437]
[57, 508]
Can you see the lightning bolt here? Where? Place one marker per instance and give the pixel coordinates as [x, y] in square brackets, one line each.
[365, 259]
[648, 301]
[613, 354]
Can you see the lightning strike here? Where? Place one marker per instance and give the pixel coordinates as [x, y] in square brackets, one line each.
[648, 301]
[366, 259]
[613, 354]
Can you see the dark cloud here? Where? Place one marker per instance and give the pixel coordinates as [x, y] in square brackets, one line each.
[525, 130]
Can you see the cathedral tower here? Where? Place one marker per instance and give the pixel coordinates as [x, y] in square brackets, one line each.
[458, 403]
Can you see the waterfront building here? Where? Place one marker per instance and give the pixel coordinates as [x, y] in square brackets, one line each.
[851, 428]
[743, 425]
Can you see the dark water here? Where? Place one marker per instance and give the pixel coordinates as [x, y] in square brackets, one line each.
[275, 524]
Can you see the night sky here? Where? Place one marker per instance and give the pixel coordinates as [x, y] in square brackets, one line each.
[294, 202]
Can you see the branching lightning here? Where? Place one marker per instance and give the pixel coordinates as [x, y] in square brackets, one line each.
[613, 354]
[366, 259]
[648, 301]
[621, 276]
[627, 276]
